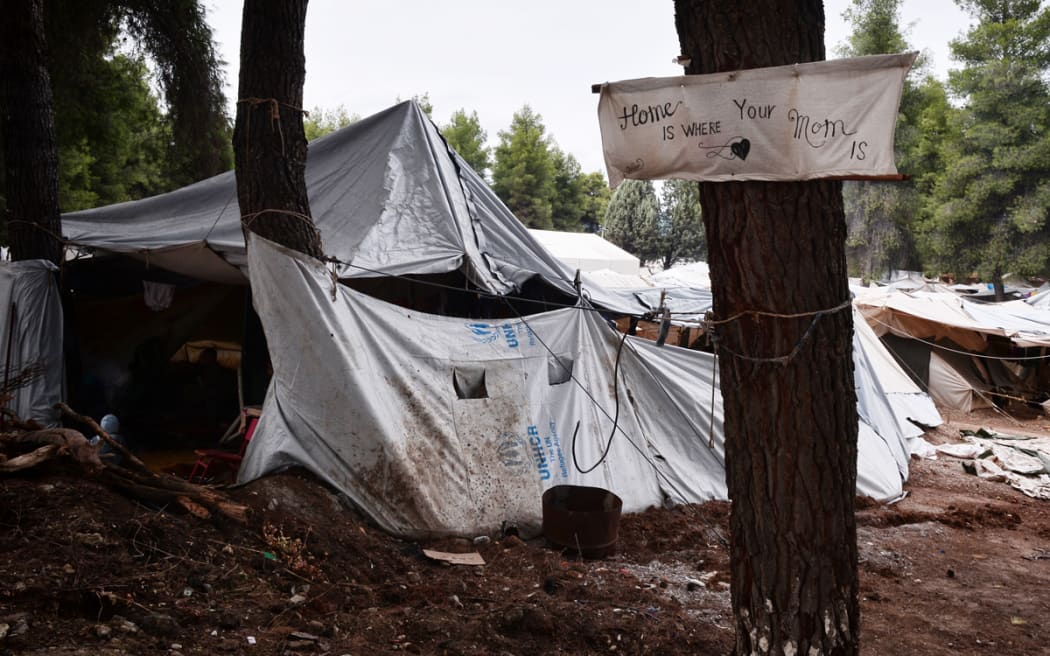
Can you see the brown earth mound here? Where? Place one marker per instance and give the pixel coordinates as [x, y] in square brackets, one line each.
[960, 566]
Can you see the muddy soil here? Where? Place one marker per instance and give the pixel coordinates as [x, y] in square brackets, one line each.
[960, 566]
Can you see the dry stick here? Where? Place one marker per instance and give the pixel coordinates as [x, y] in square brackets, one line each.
[117, 446]
[31, 459]
[170, 488]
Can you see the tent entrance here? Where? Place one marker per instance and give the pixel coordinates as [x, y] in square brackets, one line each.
[161, 351]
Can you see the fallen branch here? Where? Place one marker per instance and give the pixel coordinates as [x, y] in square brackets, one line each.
[31, 459]
[139, 480]
[168, 488]
[66, 441]
[93, 425]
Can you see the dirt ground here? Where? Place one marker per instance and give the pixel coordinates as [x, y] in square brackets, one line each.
[960, 566]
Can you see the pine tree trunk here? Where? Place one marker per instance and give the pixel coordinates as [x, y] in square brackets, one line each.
[268, 140]
[30, 149]
[791, 427]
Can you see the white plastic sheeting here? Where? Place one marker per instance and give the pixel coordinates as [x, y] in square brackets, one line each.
[437, 425]
[364, 394]
[587, 251]
[928, 315]
[887, 397]
[952, 385]
[30, 304]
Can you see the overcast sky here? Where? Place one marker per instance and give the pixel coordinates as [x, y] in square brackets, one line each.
[493, 57]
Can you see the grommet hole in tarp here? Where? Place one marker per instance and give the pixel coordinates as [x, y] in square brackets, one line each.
[583, 520]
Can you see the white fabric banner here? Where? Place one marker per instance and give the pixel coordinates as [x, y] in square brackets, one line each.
[801, 122]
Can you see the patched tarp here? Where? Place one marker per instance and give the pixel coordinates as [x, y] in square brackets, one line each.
[439, 425]
[31, 332]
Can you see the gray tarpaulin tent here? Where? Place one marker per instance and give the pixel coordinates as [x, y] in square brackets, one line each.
[441, 425]
[367, 394]
[31, 334]
[387, 195]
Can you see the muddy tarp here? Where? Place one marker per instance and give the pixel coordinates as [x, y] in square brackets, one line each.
[437, 425]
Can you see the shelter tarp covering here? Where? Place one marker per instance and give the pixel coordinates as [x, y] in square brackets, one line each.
[438, 425]
[31, 331]
[388, 196]
[936, 316]
[367, 396]
[587, 251]
[882, 383]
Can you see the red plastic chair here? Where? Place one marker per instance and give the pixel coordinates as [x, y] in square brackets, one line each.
[215, 464]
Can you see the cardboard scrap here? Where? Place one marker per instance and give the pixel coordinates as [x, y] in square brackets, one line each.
[473, 558]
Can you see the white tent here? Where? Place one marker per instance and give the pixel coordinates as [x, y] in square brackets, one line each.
[953, 386]
[587, 251]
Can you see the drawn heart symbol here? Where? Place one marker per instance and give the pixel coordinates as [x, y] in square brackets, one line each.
[741, 148]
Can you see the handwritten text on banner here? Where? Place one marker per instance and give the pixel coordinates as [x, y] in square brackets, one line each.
[801, 122]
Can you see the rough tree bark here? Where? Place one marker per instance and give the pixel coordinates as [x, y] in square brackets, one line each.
[269, 144]
[28, 124]
[778, 249]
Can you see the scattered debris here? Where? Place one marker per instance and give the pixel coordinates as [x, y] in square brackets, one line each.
[472, 558]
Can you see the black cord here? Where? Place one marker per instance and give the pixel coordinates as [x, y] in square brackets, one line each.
[616, 417]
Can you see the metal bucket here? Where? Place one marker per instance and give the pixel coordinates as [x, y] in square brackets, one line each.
[582, 519]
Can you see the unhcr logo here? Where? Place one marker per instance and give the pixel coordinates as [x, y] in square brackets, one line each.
[512, 452]
[483, 332]
[486, 333]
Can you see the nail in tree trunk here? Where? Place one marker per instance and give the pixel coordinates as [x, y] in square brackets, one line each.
[268, 140]
[791, 425]
[28, 124]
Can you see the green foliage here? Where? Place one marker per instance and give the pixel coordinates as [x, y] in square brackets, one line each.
[115, 155]
[681, 227]
[875, 28]
[632, 220]
[568, 203]
[524, 170]
[989, 209]
[116, 142]
[596, 195]
[423, 102]
[320, 122]
[179, 42]
[880, 215]
[466, 136]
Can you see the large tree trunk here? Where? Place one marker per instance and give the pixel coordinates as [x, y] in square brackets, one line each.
[30, 150]
[778, 249]
[268, 140]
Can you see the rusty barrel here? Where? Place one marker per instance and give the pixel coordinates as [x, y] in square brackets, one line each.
[583, 519]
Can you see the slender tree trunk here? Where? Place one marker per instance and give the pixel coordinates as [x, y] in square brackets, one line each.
[998, 286]
[791, 425]
[30, 149]
[268, 140]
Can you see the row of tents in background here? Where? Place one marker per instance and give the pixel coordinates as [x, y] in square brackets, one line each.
[449, 368]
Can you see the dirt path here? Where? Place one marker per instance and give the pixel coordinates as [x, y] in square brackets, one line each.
[960, 566]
